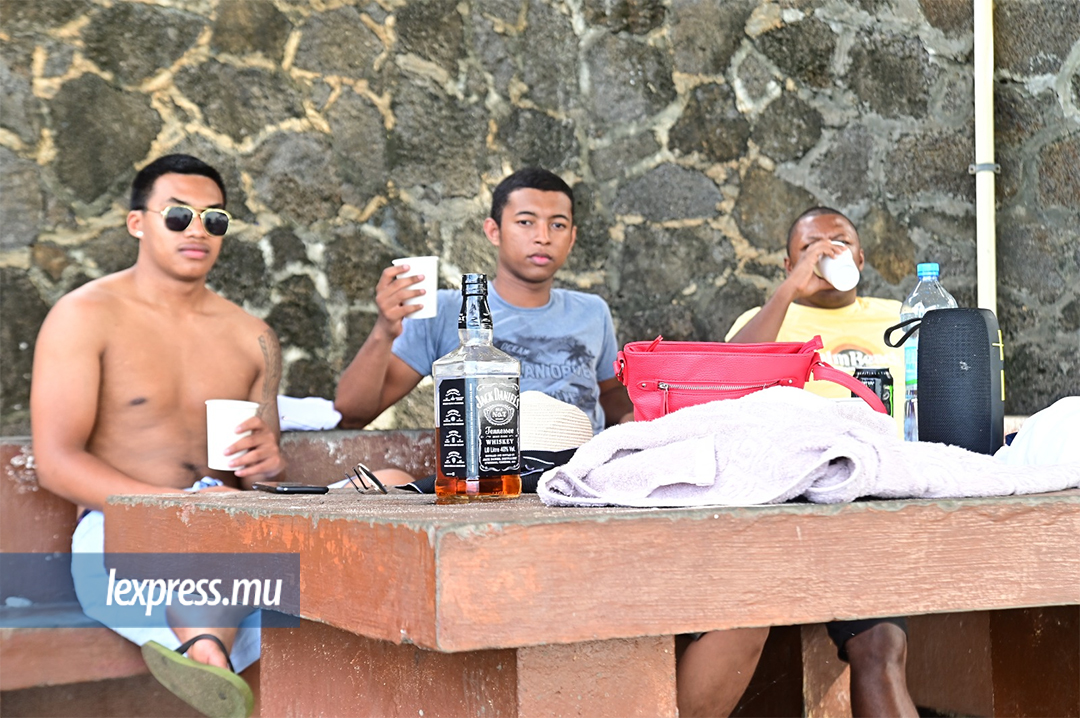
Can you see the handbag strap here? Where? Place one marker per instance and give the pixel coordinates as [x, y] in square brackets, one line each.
[620, 360]
[824, 372]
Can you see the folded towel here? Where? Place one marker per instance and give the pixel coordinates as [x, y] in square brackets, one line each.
[311, 413]
[775, 445]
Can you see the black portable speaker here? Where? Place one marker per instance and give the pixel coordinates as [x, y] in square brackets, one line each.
[962, 379]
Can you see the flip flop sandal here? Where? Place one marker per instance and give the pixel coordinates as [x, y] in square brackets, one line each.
[214, 692]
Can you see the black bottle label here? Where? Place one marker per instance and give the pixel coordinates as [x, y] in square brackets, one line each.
[479, 427]
[498, 425]
[450, 415]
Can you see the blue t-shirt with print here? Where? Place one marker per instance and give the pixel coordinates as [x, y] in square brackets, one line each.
[566, 347]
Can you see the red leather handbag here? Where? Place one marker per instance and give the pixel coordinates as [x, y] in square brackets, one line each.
[662, 377]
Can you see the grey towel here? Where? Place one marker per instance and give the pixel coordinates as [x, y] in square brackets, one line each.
[775, 445]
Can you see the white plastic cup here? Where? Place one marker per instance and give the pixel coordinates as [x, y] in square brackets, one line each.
[429, 267]
[839, 271]
[222, 418]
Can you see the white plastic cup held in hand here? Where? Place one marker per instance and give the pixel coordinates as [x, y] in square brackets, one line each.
[429, 267]
[839, 271]
[222, 418]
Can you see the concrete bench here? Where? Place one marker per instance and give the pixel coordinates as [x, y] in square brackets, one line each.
[80, 666]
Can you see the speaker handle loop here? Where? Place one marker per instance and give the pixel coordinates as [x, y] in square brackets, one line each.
[888, 332]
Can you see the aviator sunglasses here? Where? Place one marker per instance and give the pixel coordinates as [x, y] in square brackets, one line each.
[178, 216]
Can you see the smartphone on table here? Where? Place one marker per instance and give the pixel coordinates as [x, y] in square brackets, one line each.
[289, 487]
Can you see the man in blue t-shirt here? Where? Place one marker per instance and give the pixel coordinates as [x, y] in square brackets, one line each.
[565, 340]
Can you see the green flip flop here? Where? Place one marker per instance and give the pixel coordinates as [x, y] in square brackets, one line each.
[214, 692]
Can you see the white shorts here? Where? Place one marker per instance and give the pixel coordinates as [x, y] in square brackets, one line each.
[91, 586]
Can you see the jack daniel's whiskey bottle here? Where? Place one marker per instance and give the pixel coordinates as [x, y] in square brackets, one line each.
[476, 409]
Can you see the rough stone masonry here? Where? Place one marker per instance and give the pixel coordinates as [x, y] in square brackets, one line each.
[693, 131]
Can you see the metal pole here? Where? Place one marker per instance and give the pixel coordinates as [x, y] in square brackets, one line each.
[985, 168]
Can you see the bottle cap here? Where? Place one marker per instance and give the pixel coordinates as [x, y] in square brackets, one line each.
[474, 284]
[928, 269]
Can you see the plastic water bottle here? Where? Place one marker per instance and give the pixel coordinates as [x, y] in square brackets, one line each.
[928, 294]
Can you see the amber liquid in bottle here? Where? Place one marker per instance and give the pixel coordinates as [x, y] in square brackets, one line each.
[476, 409]
[452, 490]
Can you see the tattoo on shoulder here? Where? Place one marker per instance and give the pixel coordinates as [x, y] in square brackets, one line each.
[271, 350]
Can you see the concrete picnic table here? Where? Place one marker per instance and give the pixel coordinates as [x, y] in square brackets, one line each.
[516, 609]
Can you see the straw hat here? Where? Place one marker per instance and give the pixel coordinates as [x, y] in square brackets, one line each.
[548, 424]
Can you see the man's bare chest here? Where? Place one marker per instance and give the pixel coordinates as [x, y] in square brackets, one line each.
[153, 367]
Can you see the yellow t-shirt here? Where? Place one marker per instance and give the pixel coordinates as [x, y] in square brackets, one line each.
[853, 337]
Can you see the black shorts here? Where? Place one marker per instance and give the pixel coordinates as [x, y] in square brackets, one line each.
[841, 631]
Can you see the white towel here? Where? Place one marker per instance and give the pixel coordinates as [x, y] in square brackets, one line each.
[1050, 436]
[311, 413]
[775, 445]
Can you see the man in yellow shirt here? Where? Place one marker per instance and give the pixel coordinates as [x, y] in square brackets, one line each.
[852, 329]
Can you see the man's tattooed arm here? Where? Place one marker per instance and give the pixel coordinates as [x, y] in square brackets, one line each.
[271, 351]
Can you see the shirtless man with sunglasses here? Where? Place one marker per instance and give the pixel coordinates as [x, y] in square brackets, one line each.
[124, 364]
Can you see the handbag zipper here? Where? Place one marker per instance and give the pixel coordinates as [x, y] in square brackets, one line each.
[665, 387]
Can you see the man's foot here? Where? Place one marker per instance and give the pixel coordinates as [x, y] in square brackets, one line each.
[215, 692]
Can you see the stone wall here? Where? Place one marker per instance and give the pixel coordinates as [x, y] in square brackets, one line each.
[693, 131]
